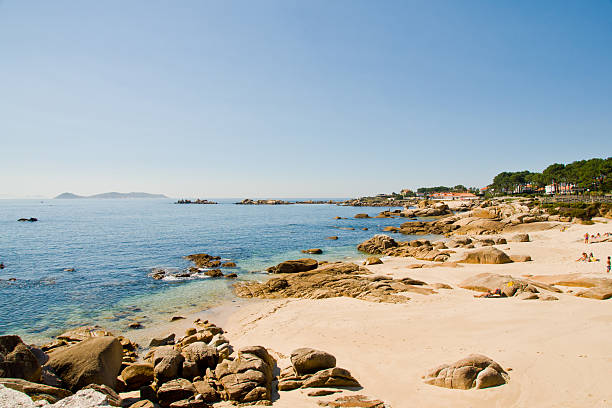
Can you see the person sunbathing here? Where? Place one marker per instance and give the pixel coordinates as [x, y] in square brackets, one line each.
[583, 258]
[488, 294]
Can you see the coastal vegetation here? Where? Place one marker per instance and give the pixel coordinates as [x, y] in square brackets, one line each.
[593, 175]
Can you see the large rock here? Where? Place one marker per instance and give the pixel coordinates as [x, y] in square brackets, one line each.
[17, 360]
[175, 390]
[88, 398]
[509, 285]
[168, 364]
[208, 393]
[162, 341]
[34, 390]
[93, 361]
[202, 354]
[309, 361]
[377, 244]
[474, 371]
[248, 378]
[299, 265]
[332, 377]
[137, 375]
[351, 401]
[486, 255]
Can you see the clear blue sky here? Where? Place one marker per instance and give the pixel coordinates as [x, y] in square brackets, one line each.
[297, 98]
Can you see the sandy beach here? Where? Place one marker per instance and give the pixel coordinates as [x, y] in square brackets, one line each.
[557, 353]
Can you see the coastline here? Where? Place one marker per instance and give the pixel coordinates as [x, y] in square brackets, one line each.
[547, 346]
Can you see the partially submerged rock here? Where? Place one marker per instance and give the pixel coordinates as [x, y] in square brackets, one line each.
[296, 266]
[331, 280]
[474, 371]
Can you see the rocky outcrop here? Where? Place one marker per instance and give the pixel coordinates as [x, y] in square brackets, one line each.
[474, 371]
[520, 238]
[296, 266]
[248, 377]
[93, 361]
[378, 244]
[203, 355]
[204, 260]
[17, 359]
[508, 285]
[313, 369]
[594, 288]
[168, 364]
[362, 216]
[487, 255]
[351, 401]
[333, 280]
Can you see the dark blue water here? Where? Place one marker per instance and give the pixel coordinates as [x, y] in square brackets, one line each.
[114, 244]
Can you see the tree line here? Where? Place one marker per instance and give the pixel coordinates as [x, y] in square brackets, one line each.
[592, 175]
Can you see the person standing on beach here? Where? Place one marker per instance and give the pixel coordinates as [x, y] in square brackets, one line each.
[608, 266]
[586, 238]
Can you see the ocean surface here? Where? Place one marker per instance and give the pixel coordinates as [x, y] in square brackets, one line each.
[113, 245]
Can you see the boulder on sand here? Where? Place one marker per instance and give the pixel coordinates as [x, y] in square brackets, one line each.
[509, 285]
[377, 244]
[309, 360]
[137, 375]
[175, 390]
[486, 255]
[332, 377]
[373, 260]
[296, 266]
[247, 378]
[202, 354]
[93, 361]
[474, 371]
[17, 360]
[520, 238]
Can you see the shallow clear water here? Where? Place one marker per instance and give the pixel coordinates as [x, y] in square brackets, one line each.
[114, 244]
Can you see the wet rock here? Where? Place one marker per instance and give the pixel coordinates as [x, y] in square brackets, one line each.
[32, 219]
[93, 361]
[309, 361]
[474, 371]
[333, 238]
[228, 265]
[313, 251]
[17, 359]
[362, 216]
[231, 276]
[299, 265]
[214, 273]
[204, 260]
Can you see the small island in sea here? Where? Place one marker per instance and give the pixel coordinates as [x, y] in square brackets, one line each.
[197, 201]
[111, 195]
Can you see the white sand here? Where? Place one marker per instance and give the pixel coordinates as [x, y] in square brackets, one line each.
[559, 352]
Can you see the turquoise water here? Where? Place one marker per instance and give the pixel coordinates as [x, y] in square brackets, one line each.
[114, 244]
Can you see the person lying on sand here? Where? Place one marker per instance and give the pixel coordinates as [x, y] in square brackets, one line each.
[592, 258]
[488, 294]
[583, 258]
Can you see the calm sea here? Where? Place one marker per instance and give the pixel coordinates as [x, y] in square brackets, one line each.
[112, 245]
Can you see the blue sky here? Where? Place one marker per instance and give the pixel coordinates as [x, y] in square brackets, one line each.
[297, 98]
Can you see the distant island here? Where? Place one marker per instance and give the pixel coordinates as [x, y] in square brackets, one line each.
[111, 195]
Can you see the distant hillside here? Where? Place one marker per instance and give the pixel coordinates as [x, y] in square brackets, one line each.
[112, 195]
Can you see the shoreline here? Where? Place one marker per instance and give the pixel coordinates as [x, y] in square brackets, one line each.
[547, 346]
